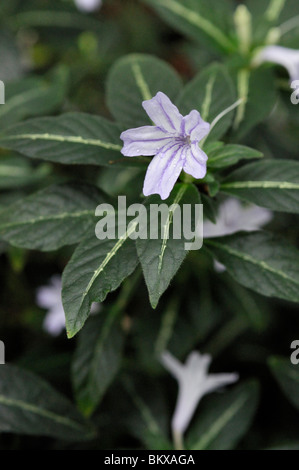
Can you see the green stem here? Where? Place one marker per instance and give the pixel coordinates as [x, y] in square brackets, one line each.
[226, 335]
[127, 290]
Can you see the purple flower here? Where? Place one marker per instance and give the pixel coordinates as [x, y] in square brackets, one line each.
[174, 142]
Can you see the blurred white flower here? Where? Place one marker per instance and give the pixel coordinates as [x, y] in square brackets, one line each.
[49, 297]
[88, 5]
[194, 382]
[288, 58]
[233, 216]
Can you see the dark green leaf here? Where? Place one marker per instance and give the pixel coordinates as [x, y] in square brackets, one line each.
[134, 79]
[97, 359]
[228, 155]
[211, 91]
[198, 20]
[270, 183]
[29, 405]
[72, 138]
[162, 256]
[96, 268]
[224, 419]
[261, 261]
[59, 215]
[287, 376]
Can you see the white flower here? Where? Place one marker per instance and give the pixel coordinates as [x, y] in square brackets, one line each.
[233, 216]
[88, 5]
[194, 382]
[49, 297]
[288, 58]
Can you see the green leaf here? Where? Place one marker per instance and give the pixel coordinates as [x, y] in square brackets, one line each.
[59, 215]
[147, 420]
[29, 405]
[224, 419]
[17, 172]
[96, 268]
[287, 376]
[11, 67]
[134, 79]
[228, 155]
[162, 256]
[211, 26]
[97, 359]
[261, 261]
[205, 92]
[72, 138]
[270, 183]
[259, 99]
[33, 96]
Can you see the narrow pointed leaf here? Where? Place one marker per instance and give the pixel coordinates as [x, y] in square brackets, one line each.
[225, 419]
[161, 257]
[97, 359]
[96, 268]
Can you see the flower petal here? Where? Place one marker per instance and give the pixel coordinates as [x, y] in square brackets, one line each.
[214, 381]
[198, 364]
[164, 113]
[146, 140]
[195, 161]
[164, 170]
[194, 126]
[288, 58]
[173, 366]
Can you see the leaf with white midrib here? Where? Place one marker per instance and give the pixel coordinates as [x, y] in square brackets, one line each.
[161, 258]
[224, 419]
[135, 78]
[262, 261]
[97, 358]
[25, 406]
[96, 268]
[71, 138]
[61, 214]
[270, 183]
[195, 19]
[218, 425]
[204, 93]
[29, 405]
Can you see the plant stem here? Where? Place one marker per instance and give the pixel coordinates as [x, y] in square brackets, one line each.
[178, 440]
